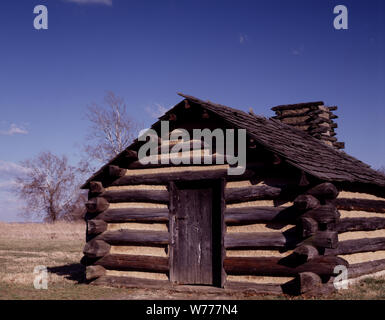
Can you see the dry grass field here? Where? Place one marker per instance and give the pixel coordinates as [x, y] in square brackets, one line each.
[59, 247]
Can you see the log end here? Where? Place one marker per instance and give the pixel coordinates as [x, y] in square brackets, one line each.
[324, 191]
[96, 249]
[96, 226]
[97, 205]
[93, 272]
[306, 202]
[96, 187]
[115, 171]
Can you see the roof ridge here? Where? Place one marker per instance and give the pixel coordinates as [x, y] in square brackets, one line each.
[214, 104]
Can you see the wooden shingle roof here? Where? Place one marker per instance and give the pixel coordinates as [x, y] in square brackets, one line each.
[297, 147]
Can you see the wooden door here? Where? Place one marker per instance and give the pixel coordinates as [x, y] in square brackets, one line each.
[196, 234]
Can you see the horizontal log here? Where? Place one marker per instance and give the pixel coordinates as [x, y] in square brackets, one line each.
[361, 224]
[97, 205]
[131, 237]
[135, 215]
[164, 178]
[262, 288]
[324, 214]
[131, 282]
[306, 202]
[152, 196]
[243, 194]
[96, 226]
[93, 272]
[323, 239]
[323, 191]
[96, 248]
[359, 269]
[167, 146]
[247, 215]
[274, 266]
[357, 245]
[259, 240]
[360, 205]
[184, 161]
[125, 262]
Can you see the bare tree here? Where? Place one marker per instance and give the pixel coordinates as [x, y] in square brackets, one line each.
[50, 188]
[111, 129]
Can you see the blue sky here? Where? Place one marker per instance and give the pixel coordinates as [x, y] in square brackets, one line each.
[240, 53]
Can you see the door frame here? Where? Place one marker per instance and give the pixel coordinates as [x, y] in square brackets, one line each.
[218, 184]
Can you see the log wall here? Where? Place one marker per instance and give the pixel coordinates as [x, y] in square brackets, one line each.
[361, 232]
[127, 219]
[278, 241]
[249, 233]
[274, 239]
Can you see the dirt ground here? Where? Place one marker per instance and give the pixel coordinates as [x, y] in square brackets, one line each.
[59, 248]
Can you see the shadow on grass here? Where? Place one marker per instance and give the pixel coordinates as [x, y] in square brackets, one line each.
[71, 271]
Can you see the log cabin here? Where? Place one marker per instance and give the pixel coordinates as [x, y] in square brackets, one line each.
[300, 208]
